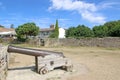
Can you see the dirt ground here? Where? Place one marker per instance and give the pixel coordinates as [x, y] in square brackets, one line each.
[90, 63]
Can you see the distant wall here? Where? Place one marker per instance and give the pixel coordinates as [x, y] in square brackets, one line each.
[91, 42]
[3, 62]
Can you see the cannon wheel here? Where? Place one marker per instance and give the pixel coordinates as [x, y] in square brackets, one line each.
[69, 68]
[43, 70]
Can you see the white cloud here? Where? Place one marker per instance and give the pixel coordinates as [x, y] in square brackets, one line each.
[88, 11]
[109, 4]
[71, 5]
[93, 17]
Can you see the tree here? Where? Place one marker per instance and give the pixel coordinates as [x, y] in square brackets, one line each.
[100, 31]
[55, 34]
[56, 29]
[115, 32]
[25, 30]
[83, 31]
[79, 31]
[111, 28]
[70, 32]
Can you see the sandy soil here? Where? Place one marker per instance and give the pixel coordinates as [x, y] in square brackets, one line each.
[89, 64]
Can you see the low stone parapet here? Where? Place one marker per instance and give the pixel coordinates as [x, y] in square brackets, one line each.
[3, 62]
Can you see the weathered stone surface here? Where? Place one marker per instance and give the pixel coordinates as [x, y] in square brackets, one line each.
[3, 63]
[89, 42]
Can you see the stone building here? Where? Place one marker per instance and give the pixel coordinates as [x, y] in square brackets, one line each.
[7, 32]
[46, 32]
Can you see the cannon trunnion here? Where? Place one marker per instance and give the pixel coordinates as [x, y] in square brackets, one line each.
[45, 60]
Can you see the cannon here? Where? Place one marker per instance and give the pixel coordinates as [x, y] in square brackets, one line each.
[45, 60]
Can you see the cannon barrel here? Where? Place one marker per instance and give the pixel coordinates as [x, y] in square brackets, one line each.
[32, 52]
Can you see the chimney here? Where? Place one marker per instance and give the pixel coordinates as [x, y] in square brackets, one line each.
[52, 26]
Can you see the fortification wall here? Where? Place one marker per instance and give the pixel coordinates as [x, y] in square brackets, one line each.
[90, 42]
[3, 62]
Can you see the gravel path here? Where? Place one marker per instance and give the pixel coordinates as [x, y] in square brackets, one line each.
[28, 73]
[89, 64]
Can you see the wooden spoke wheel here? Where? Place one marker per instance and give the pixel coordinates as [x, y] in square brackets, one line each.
[43, 70]
[69, 68]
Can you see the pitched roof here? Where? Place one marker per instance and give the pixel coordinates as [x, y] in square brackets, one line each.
[6, 29]
[47, 29]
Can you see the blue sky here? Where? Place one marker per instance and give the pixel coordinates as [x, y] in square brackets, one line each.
[68, 12]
